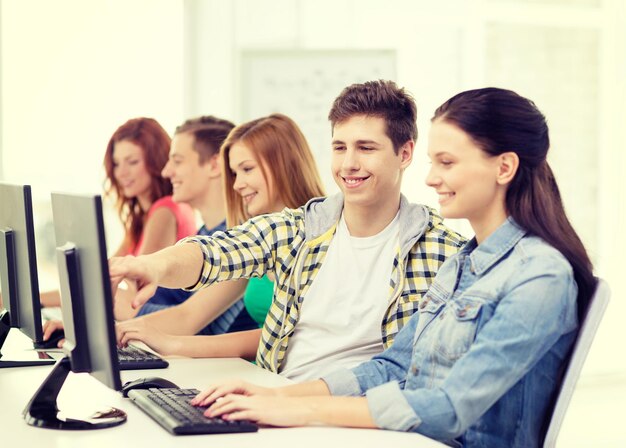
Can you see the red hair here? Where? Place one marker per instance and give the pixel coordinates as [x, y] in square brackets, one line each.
[154, 141]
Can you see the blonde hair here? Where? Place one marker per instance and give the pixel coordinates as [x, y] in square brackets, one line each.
[279, 147]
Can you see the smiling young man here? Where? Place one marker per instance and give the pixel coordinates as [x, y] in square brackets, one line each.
[350, 269]
[194, 171]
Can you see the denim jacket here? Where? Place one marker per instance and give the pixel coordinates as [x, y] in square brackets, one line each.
[478, 365]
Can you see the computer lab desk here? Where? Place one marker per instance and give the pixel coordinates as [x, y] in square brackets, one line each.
[17, 385]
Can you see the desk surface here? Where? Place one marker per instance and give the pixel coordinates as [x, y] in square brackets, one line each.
[17, 385]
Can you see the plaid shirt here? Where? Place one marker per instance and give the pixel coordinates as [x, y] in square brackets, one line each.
[292, 245]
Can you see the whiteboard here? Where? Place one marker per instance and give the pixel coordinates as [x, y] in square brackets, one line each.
[303, 85]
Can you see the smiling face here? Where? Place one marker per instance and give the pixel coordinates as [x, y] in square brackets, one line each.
[130, 171]
[256, 191]
[190, 179]
[364, 164]
[465, 177]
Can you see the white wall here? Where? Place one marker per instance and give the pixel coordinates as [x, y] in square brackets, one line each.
[568, 56]
[72, 72]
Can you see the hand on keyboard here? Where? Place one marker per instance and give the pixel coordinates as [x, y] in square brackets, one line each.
[172, 410]
[275, 411]
[212, 393]
[50, 328]
[138, 330]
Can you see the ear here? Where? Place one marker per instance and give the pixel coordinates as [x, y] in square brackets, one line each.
[406, 153]
[214, 166]
[508, 163]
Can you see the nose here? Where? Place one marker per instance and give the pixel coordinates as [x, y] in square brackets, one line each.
[166, 172]
[432, 178]
[120, 171]
[239, 183]
[350, 160]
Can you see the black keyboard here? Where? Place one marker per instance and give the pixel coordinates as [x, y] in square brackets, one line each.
[170, 408]
[134, 358]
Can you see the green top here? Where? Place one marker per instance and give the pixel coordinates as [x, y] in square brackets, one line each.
[258, 298]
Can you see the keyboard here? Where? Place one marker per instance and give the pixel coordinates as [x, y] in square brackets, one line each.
[134, 358]
[170, 408]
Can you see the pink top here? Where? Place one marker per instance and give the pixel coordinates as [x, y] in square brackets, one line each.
[185, 219]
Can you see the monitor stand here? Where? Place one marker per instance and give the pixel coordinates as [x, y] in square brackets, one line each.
[5, 327]
[42, 410]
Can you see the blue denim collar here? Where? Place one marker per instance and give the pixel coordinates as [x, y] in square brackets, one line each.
[484, 255]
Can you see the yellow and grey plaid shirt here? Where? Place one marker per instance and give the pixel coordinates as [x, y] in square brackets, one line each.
[292, 246]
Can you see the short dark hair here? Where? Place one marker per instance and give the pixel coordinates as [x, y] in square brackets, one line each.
[208, 132]
[382, 99]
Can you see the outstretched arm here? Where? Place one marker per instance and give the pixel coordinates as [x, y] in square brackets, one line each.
[241, 252]
[173, 267]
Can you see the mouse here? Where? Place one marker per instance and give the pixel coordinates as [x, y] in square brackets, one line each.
[147, 383]
[52, 341]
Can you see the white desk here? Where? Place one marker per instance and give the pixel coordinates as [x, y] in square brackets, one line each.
[17, 385]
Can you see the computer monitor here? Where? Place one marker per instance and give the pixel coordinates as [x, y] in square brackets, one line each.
[87, 307]
[18, 274]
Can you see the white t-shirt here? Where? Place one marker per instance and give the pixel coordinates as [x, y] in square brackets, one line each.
[342, 312]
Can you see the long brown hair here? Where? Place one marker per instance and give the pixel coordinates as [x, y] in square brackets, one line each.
[154, 141]
[502, 121]
[280, 148]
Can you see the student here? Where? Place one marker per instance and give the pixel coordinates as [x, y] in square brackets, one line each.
[135, 155]
[194, 171]
[258, 158]
[134, 159]
[349, 269]
[480, 363]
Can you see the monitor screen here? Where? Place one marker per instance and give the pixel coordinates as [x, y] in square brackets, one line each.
[82, 256]
[19, 285]
[87, 307]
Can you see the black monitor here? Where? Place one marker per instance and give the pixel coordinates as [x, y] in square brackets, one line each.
[18, 275]
[87, 307]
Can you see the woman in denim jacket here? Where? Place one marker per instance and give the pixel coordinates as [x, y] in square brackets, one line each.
[480, 363]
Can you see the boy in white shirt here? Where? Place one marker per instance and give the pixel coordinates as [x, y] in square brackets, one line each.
[350, 269]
